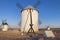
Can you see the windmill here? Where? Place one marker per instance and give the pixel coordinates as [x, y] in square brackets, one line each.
[4, 25]
[29, 15]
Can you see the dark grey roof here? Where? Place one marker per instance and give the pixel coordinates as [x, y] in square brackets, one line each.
[4, 24]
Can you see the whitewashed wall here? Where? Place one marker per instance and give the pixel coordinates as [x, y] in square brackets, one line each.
[34, 20]
[5, 28]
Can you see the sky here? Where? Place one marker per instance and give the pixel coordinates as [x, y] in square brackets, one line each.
[49, 12]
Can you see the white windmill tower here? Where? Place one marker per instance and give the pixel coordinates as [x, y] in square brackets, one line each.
[4, 25]
[32, 19]
[29, 21]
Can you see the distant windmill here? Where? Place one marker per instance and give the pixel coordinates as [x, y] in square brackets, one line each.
[4, 25]
[29, 18]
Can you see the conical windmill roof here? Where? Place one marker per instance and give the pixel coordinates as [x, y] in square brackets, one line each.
[29, 7]
[4, 24]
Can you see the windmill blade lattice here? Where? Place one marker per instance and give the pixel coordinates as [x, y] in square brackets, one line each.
[38, 3]
[19, 5]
